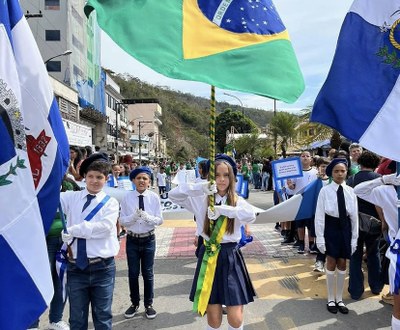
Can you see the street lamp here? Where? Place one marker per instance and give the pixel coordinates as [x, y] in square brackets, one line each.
[235, 97]
[67, 52]
[140, 138]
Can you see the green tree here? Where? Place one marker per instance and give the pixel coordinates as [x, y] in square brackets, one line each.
[226, 120]
[283, 126]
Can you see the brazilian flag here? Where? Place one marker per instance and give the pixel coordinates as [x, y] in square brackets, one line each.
[239, 45]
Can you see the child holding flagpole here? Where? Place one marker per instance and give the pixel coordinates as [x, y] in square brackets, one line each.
[336, 227]
[228, 281]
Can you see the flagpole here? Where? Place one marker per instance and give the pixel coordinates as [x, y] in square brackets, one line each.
[212, 144]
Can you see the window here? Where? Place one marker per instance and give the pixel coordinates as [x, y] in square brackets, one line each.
[52, 4]
[53, 66]
[53, 35]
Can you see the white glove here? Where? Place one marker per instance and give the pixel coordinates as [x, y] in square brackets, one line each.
[136, 215]
[353, 245]
[146, 217]
[213, 215]
[209, 189]
[391, 179]
[321, 247]
[66, 237]
[353, 248]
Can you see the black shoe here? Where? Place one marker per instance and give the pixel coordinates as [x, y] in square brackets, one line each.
[342, 307]
[313, 249]
[296, 244]
[331, 306]
[300, 250]
[131, 311]
[287, 241]
[150, 312]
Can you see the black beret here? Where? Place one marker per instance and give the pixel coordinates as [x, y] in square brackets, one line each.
[100, 156]
[139, 170]
[229, 160]
[333, 163]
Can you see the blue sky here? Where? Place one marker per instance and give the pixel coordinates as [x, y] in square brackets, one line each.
[313, 26]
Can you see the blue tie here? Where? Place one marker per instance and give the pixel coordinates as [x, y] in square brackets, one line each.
[81, 255]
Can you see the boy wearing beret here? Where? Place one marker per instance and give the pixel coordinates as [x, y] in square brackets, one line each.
[140, 214]
[92, 237]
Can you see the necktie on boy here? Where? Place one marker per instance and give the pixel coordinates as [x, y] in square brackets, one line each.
[81, 254]
[141, 202]
[341, 204]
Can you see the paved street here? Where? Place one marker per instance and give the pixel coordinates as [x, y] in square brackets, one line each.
[290, 294]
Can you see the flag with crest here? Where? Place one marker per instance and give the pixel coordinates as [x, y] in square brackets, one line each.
[33, 159]
[361, 95]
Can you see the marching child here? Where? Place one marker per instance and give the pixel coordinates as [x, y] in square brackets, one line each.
[140, 214]
[92, 236]
[336, 227]
[161, 181]
[221, 230]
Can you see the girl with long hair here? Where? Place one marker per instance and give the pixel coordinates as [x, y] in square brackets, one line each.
[220, 257]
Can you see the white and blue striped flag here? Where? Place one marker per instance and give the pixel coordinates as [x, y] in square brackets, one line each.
[33, 159]
[361, 95]
[300, 206]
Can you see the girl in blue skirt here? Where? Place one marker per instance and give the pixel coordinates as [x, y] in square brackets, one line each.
[336, 227]
[231, 285]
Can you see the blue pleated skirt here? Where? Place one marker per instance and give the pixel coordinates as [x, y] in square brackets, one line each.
[232, 285]
[338, 237]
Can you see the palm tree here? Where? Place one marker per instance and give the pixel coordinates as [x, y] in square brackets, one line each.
[283, 126]
[321, 132]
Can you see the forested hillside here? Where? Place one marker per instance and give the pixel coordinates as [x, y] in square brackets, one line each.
[185, 116]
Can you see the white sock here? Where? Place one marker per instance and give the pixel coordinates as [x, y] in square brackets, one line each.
[340, 276]
[330, 283]
[395, 323]
[232, 328]
[209, 327]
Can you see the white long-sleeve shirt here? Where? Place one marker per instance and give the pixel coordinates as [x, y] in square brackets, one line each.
[100, 232]
[191, 197]
[327, 204]
[130, 204]
[384, 196]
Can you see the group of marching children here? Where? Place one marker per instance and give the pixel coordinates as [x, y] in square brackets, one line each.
[91, 237]
[348, 219]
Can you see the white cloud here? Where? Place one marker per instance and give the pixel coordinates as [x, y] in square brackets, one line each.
[313, 26]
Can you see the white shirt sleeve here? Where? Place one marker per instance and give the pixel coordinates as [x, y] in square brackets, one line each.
[98, 229]
[320, 217]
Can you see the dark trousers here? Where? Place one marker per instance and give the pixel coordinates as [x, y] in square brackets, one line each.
[140, 254]
[92, 286]
[356, 279]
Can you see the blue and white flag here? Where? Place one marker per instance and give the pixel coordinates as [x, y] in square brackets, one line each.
[300, 206]
[361, 95]
[33, 159]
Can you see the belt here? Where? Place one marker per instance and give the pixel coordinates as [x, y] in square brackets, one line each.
[143, 235]
[91, 261]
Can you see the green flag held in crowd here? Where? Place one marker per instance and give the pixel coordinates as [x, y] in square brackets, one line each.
[232, 44]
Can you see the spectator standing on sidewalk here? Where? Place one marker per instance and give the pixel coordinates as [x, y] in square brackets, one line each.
[231, 285]
[382, 192]
[140, 214]
[368, 162]
[336, 226]
[294, 186]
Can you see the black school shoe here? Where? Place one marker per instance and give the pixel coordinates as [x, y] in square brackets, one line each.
[131, 311]
[332, 307]
[342, 307]
[150, 312]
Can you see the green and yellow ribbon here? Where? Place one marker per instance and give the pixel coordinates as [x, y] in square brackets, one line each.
[208, 266]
